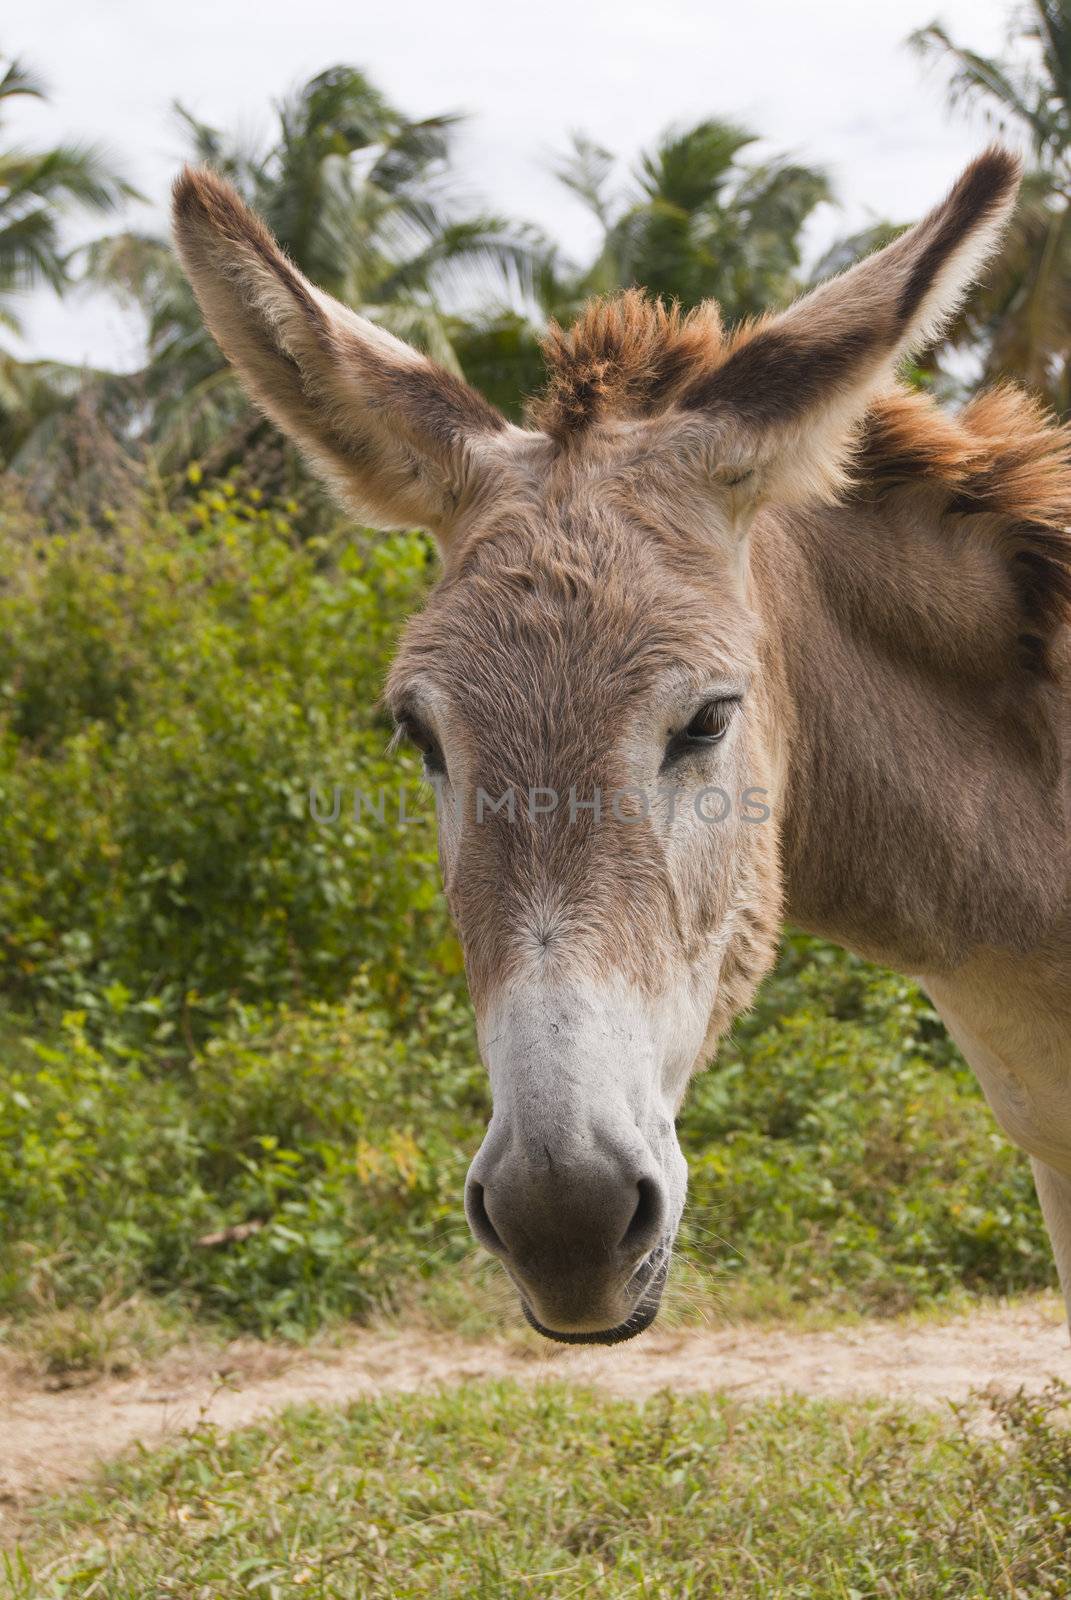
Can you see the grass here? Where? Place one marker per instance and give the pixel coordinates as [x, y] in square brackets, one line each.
[63, 1347]
[497, 1491]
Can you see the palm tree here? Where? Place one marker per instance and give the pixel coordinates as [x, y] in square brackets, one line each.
[694, 221]
[360, 197]
[690, 223]
[1020, 320]
[38, 189]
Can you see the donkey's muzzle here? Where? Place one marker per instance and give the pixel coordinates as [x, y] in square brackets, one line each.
[652, 1280]
[583, 1234]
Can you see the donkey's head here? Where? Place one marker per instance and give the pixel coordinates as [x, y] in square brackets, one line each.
[591, 685]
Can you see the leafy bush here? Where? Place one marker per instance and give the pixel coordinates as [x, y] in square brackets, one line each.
[333, 1140]
[169, 693]
[833, 1162]
[843, 1150]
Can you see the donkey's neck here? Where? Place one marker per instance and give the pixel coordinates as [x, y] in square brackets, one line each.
[925, 809]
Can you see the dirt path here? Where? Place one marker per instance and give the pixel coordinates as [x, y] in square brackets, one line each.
[48, 1438]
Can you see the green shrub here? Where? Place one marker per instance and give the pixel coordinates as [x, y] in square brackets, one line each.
[169, 693]
[841, 1152]
[333, 1139]
[833, 1161]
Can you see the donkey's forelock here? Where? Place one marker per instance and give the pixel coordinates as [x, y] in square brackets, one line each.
[625, 356]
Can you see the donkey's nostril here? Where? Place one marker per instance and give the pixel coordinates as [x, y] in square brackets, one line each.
[645, 1228]
[482, 1227]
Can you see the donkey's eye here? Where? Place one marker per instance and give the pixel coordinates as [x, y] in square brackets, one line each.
[709, 726]
[422, 739]
[711, 722]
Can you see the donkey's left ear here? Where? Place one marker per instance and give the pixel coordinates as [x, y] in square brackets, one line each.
[398, 436]
[784, 400]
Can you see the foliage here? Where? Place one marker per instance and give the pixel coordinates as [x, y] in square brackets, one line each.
[38, 190]
[504, 1491]
[839, 1159]
[695, 221]
[334, 1138]
[1020, 317]
[171, 689]
[842, 1151]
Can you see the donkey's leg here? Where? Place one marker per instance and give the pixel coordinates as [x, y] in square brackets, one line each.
[1054, 1192]
[1033, 1106]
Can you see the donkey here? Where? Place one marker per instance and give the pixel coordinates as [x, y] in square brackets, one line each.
[746, 564]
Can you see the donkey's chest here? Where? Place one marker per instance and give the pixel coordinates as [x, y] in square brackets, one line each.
[1012, 1020]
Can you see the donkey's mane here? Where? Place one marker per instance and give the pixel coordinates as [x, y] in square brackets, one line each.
[1003, 454]
[630, 356]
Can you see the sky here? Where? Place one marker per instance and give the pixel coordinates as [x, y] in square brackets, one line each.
[830, 81]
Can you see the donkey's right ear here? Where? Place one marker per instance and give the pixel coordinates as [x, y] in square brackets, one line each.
[397, 435]
[785, 397]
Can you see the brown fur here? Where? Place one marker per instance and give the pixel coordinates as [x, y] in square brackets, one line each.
[629, 356]
[389, 429]
[1002, 455]
[626, 355]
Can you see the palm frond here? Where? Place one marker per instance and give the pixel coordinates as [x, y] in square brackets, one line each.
[30, 252]
[689, 167]
[68, 174]
[586, 171]
[977, 78]
[19, 79]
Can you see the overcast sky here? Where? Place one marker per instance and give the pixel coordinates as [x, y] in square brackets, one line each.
[828, 80]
